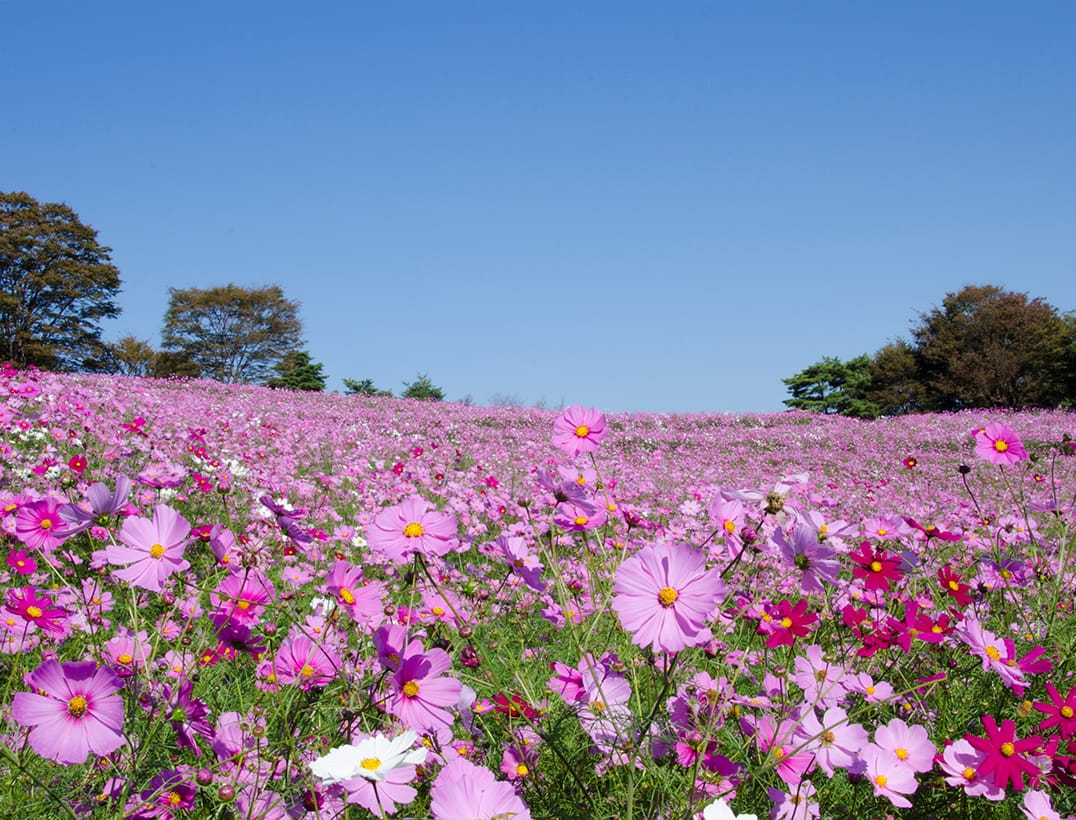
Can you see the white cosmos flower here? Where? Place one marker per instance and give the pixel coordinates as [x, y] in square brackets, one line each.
[719, 810]
[371, 758]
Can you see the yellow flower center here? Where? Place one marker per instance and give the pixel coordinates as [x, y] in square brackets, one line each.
[786, 622]
[174, 798]
[347, 596]
[582, 431]
[597, 707]
[370, 764]
[1001, 446]
[307, 670]
[1066, 712]
[156, 551]
[76, 707]
[410, 689]
[954, 586]
[881, 780]
[902, 754]
[992, 652]
[1007, 750]
[828, 738]
[730, 527]
[46, 524]
[413, 530]
[869, 690]
[522, 770]
[667, 596]
[968, 773]
[125, 658]
[438, 611]
[243, 605]
[33, 611]
[581, 520]
[876, 566]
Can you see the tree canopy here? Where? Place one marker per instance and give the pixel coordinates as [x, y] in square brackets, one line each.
[363, 387]
[56, 283]
[233, 334]
[422, 388]
[982, 347]
[298, 371]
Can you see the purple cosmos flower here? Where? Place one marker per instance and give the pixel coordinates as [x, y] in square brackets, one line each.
[188, 716]
[154, 548]
[102, 502]
[665, 595]
[412, 526]
[463, 789]
[522, 561]
[168, 794]
[815, 561]
[998, 444]
[77, 713]
[579, 430]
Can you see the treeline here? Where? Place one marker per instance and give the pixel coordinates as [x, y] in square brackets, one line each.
[982, 347]
[57, 283]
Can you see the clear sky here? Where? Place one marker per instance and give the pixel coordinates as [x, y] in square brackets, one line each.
[663, 206]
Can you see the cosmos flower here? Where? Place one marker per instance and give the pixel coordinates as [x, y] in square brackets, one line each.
[579, 430]
[665, 595]
[1004, 754]
[154, 549]
[75, 711]
[412, 526]
[463, 789]
[36, 610]
[39, 525]
[998, 444]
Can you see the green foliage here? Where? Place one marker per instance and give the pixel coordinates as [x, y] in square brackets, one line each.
[363, 387]
[422, 388]
[232, 334]
[833, 386]
[298, 371]
[56, 283]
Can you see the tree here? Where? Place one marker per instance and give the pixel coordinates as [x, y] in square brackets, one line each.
[233, 334]
[423, 388]
[986, 347]
[56, 283]
[896, 388]
[363, 387]
[129, 357]
[298, 371]
[833, 386]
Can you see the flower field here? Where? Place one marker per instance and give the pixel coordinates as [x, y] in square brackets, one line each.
[230, 602]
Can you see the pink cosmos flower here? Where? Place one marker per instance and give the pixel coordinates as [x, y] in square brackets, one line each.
[36, 610]
[21, 563]
[1036, 805]
[889, 777]
[960, 761]
[304, 663]
[412, 526]
[1004, 754]
[154, 549]
[463, 789]
[579, 430]
[1060, 712]
[998, 444]
[39, 525]
[74, 712]
[910, 745]
[243, 596]
[361, 600]
[665, 595]
[835, 741]
[421, 693]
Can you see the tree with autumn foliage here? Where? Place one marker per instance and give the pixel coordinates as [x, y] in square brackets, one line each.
[57, 282]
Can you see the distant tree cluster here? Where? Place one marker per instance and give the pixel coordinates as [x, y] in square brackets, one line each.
[57, 282]
[982, 347]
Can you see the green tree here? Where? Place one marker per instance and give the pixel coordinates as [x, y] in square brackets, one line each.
[833, 386]
[422, 388]
[987, 347]
[298, 371]
[363, 387]
[896, 387]
[56, 283]
[129, 356]
[233, 334]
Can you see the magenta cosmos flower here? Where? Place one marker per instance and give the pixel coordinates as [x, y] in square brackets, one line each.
[74, 712]
[665, 595]
[998, 444]
[154, 548]
[463, 789]
[412, 526]
[579, 430]
[39, 525]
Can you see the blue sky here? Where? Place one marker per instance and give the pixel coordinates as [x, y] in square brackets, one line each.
[635, 206]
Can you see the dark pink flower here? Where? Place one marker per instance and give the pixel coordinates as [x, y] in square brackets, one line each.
[74, 712]
[39, 525]
[1003, 754]
[36, 610]
[998, 444]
